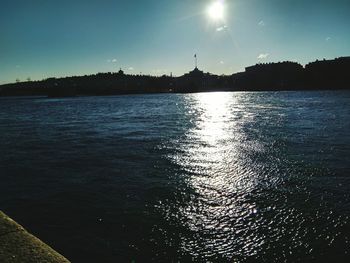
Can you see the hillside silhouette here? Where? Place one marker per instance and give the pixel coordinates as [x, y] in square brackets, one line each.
[318, 75]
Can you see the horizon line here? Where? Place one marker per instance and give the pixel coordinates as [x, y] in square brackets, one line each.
[170, 75]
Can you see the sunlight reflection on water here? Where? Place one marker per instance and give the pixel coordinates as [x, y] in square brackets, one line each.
[239, 205]
[220, 176]
[208, 177]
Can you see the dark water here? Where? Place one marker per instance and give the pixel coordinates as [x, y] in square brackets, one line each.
[211, 177]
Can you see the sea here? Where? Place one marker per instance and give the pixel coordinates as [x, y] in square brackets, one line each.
[202, 177]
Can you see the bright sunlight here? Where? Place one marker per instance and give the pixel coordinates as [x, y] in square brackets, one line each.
[216, 10]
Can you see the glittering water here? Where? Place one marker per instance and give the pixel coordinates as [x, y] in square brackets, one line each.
[217, 177]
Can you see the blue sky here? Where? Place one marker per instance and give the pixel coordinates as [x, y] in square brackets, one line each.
[46, 38]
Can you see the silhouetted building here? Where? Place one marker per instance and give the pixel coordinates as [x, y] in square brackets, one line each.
[271, 76]
[120, 72]
[324, 74]
[329, 73]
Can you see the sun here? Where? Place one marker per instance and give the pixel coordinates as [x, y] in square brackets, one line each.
[216, 10]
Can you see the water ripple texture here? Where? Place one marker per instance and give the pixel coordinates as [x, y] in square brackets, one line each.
[207, 177]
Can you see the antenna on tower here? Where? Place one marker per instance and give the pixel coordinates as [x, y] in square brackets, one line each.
[195, 60]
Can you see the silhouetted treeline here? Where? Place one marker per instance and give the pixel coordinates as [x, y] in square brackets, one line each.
[325, 74]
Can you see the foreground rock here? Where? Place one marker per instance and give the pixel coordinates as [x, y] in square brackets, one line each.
[18, 246]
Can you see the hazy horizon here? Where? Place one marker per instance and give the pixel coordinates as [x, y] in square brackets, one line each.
[44, 39]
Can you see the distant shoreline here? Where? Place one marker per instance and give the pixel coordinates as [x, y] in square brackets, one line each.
[282, 76]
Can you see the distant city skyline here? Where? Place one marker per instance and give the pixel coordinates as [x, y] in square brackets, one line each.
[46, 38]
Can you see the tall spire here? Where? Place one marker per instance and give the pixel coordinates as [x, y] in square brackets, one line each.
[195, 61]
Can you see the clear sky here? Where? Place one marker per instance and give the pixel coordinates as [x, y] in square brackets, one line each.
[47, 38]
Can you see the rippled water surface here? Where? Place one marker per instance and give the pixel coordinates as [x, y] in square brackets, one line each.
[216, 177]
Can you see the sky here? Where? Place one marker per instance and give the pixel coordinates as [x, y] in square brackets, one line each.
[51, 38]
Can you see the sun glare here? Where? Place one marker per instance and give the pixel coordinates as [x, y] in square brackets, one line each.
[216, 10]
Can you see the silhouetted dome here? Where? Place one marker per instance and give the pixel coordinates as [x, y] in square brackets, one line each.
[121, 72]
[196, 72]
